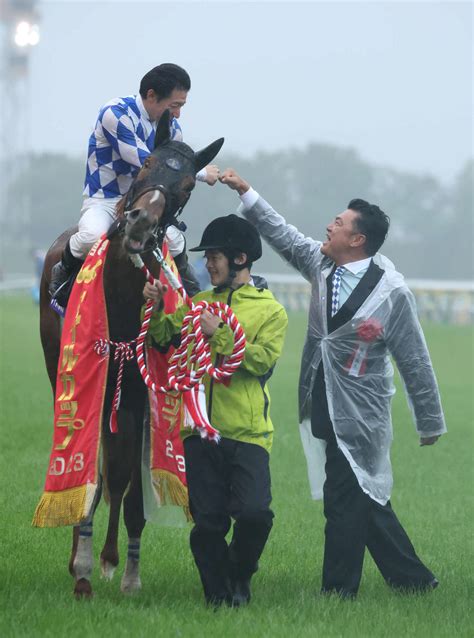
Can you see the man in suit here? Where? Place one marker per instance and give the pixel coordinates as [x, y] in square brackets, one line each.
[361, 312]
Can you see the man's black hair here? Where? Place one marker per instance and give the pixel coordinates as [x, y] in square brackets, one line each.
[371, 222]
[164, 79]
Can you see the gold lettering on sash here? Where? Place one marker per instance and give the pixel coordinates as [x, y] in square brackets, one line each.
[171, 410]
[69, 386]
[88, 273]
[77, 318]
[68, 421]
[69, 358]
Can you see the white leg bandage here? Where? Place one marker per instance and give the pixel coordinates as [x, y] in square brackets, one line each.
[131, 579]
[83, 560]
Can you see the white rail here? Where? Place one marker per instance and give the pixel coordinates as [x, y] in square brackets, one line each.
[438, 300]
[17, 284]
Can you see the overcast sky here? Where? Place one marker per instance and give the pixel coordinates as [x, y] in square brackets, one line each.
[391, 79]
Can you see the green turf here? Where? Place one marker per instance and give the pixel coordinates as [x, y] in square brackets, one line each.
[432, 496]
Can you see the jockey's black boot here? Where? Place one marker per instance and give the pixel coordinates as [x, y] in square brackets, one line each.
[62, 277]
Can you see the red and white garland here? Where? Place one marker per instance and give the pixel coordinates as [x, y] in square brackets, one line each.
[190, 361]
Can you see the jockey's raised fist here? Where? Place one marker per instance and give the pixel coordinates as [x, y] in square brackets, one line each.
[212, 174]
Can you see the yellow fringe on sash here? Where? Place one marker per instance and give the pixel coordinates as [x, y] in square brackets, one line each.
[68, 507]
[170, 490]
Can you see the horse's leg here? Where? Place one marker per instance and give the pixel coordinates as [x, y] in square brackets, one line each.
[83, 559]
[119, 454]
[133, 501]
[117, 480]
[135, 522]
[50, 330]
[75, 539]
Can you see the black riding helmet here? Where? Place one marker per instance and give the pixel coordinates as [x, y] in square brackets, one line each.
[232, 235]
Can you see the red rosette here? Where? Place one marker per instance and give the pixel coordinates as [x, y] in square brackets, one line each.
[369, 330]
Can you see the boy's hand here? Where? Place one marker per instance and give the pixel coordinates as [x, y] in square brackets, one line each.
[154, 291]
[209, 323]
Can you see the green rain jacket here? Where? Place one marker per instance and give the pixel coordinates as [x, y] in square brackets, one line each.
[240, 410]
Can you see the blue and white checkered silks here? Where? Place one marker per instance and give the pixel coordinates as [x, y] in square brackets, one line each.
[336, 287]
[122, 139]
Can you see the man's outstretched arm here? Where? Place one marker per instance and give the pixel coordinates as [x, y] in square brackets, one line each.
[303, 253]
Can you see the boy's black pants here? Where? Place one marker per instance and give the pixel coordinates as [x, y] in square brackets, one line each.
[227, 480]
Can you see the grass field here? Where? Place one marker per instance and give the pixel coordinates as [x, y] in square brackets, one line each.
[433, 497]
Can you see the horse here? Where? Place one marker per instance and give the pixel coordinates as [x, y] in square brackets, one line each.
[157, 194]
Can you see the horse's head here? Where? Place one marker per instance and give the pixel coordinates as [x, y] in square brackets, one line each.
[163, 186]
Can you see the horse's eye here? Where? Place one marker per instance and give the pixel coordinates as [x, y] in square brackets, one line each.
[146, 163]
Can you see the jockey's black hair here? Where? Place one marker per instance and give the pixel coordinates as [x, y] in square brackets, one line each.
[164, 79]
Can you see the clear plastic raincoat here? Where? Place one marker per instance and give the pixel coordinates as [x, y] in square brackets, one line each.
[357, 367]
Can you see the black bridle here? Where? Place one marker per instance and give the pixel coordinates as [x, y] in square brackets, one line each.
[170, 215]
[173, 206]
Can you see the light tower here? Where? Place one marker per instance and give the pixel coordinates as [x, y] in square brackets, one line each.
[19, 35]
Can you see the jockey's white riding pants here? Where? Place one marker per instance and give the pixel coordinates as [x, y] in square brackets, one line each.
[97, 215]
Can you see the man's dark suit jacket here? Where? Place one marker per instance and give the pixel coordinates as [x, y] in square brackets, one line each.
[321, 425]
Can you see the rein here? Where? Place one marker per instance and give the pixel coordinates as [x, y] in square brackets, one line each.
[190, 361]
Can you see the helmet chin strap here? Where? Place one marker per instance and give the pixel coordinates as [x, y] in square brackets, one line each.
[233, 270]
[231, 277]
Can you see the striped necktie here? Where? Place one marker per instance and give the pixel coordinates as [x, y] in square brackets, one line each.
[336, 286]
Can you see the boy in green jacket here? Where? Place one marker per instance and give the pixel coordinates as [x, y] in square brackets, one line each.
[231, 479]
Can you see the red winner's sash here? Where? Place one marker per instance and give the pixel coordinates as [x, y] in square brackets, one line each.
[167, 464]
[73, 472]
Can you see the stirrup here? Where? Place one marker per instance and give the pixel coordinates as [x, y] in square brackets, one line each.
[57, 308]
[60, 308]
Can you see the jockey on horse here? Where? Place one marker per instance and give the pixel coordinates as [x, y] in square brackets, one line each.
[122, 139]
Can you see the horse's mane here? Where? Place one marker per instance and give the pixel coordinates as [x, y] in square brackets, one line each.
[120, 208]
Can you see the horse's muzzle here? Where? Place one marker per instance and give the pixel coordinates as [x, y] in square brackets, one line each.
[138, 230]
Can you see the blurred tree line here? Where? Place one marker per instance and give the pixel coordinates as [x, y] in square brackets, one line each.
[431, 232]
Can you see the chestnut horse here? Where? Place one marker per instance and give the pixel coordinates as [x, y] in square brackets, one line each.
[157, 194]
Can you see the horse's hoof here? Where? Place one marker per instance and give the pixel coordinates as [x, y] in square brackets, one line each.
[107, 570]
[83, 589]
[130, 586]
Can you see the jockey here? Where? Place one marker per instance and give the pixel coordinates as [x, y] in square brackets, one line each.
[231, 479]
[122, 139]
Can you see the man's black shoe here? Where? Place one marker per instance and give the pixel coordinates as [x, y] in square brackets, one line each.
[343, 594]
[217, 602]
[416, 589]
[240, 592]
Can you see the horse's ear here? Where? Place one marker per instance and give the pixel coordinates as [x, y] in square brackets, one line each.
[206, 155]
[162, 134]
